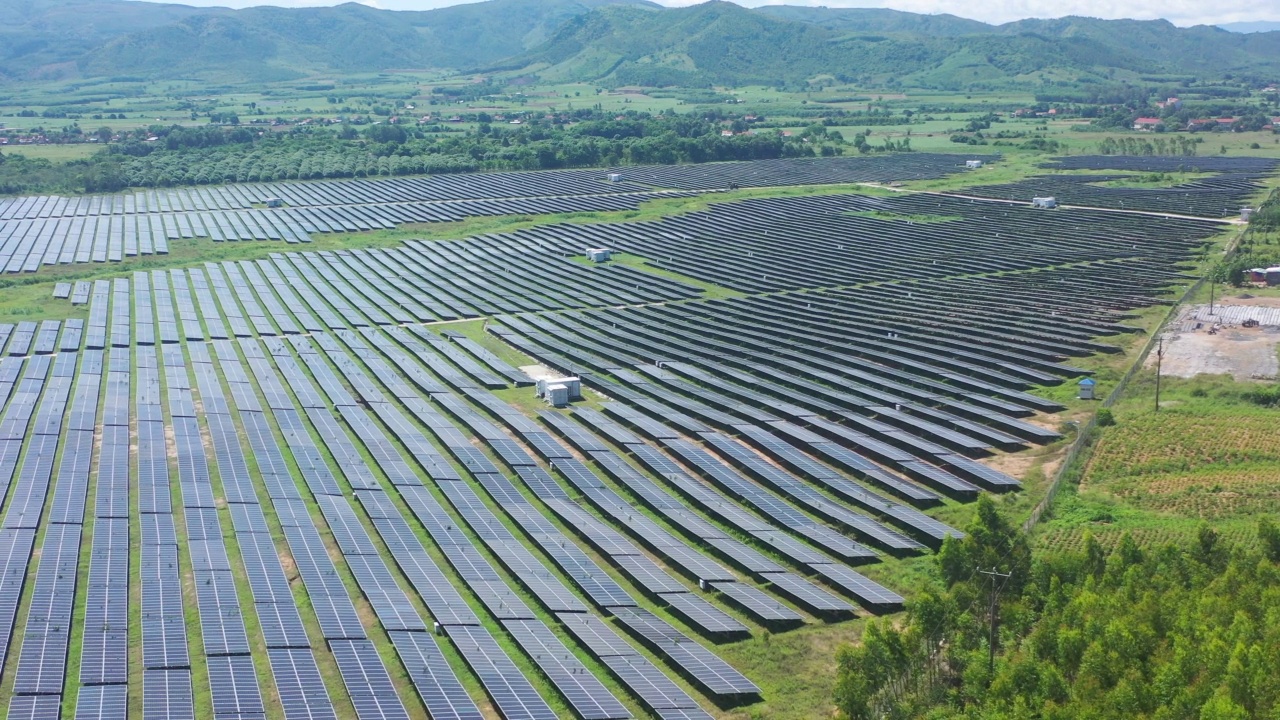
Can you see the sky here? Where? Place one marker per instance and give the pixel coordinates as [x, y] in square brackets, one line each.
[1179, 12]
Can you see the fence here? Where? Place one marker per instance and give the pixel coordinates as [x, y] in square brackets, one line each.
[1085, 436]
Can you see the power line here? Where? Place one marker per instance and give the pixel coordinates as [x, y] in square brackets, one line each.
[993, 611]
[1159, 363]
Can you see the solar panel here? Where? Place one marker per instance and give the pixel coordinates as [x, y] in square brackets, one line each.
[433, 678]
[281, 625]
[102, 702]
[510, 691]
[758, 604]
[582, 690]
[366, 680]
[166, 695]
[870, 594]
[35, 707]
[812, 598]
[655, 690]
[705, 617]
[704, 668]
[233, 686]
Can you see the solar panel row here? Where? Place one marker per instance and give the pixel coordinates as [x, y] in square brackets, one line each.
[40, 399]
[568, 557]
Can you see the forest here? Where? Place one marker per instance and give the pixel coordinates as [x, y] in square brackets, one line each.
[1170, 631]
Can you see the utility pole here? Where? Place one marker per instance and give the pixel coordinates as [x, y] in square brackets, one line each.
[1211, 284]
[998, 579]
[1159, 362]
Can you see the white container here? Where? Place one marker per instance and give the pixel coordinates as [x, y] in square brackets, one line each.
[557, 395]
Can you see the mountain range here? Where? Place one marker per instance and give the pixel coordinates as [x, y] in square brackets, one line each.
[1251, 27]
[615, 41]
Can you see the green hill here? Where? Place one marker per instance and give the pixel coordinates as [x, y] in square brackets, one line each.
[46, 37]
[120, 37]
[723, 43]
[621, 42]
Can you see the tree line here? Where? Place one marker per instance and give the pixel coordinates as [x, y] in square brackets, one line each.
[172, 156]
[1174, 631]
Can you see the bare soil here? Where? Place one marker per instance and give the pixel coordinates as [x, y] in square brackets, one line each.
[1245, 353]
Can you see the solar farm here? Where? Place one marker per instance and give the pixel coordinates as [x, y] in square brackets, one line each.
[318, 484]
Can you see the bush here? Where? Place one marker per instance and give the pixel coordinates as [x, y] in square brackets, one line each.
[1105, 417]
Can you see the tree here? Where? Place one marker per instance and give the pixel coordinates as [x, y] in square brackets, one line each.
[1269, 536]
[104, 134]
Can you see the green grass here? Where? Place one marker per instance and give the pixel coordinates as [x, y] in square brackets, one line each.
[53, 153]
[903, 217]
[710, 290]
[1155, 180]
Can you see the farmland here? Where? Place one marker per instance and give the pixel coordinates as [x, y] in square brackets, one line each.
[288, 461]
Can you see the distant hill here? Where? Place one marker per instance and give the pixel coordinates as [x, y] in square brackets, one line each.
[121, 37]
[881, 20]
[1251, 27]
[46, 37]
[723, 43]
[622, 42]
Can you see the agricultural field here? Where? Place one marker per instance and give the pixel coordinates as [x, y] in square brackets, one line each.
[289, 459]
[1209, 455]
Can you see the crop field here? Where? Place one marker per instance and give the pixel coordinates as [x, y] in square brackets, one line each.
[318, 483]
[1178, 441]
[1210, 455]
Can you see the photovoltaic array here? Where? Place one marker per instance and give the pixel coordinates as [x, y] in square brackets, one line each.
[291, 487]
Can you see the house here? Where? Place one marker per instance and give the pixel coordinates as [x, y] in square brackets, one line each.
[1200, 124]
[274, 202]
[1258, 275]
[598, 254]
[1087, 386]
[973, 164]
[1171, 103]
[1272, 275]
[1147, 123]
[1044, 203]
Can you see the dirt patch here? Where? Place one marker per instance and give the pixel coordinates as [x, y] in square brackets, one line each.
[1020, 464]
[1270, 302]
[1217, 342]
[539, 372]
[1015, 465]
[171, 442]
[1048, 421]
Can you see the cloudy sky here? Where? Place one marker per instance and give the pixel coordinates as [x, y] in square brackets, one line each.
[1180, 12]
